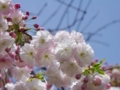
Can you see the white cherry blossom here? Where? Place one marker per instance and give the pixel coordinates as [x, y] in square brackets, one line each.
[5, 41]
[17, 17]
[45, 58]
[9, 86]
[20, 86]
[42, 40]
[71, 68]
[28, 54]
[36, 84]
[64, 50]
[61, 35]
[83, 54]
[21, 74]
[6, 6]
[77, 36]
[3, 24]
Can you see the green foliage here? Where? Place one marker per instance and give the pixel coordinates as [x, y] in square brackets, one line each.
[96, 67]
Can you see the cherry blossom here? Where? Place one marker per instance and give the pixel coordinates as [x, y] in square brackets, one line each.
[28, 55]
[64, 60]
[6, 6]
[83, 54]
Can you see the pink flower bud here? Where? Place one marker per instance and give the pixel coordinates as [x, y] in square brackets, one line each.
[8, 19]
[17, 57]
[21, 29]
[97, 81]
[7, 80]
[12, 55]
[41, 28]
[12, 34]
[85, 80]
[84, 86]
[27, 13]
[108, 86]
[25, 17]
[7, 50]
[96, 60]
[17, 51]
[48, 86]
[17, 6]
[36, 25]
[78, 76]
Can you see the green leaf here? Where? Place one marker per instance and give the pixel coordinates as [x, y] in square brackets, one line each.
[100, 71]
[101, 62]
[97, 65]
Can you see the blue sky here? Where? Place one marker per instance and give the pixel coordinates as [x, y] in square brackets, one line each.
[106, 11]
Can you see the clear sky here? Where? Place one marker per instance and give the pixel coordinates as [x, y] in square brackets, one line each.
[105, 11]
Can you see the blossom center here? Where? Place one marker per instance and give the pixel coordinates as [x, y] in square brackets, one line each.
[42, 41]
[46, 56]
[0, 25]
[31, 53]
[3, 6]
[82, 54]
[3, 43]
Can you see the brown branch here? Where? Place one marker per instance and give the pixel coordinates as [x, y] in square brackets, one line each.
[39, 12]
[88, 24]
[70, 25]
[42, 9]
[99, 42]
[63, 15]
[102, 28]
[83, 15]
[78, 9]
[52, 15]
[68, 20]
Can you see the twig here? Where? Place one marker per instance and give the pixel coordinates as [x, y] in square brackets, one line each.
[88, 24]
[62, 17]
[102, 28]
[68, 20]
[78, 9]
[83, 15]
[99, 42]
[52, 15]
[40, 11]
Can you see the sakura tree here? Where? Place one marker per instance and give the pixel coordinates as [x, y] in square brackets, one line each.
[66, 57]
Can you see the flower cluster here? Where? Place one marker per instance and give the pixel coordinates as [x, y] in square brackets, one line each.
[114, 72]
[66, 57]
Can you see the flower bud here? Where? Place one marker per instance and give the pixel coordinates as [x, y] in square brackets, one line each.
[85, 80]
[17, 6]
[97, 81]
[78, 76]
[25, 17]
[7, 50]
[12, 34]
[108, 86]
[84, 86]
[27, 13]
[21, 29]
[36, 25]
[34, 17]
[48, 86]
[8, 19]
